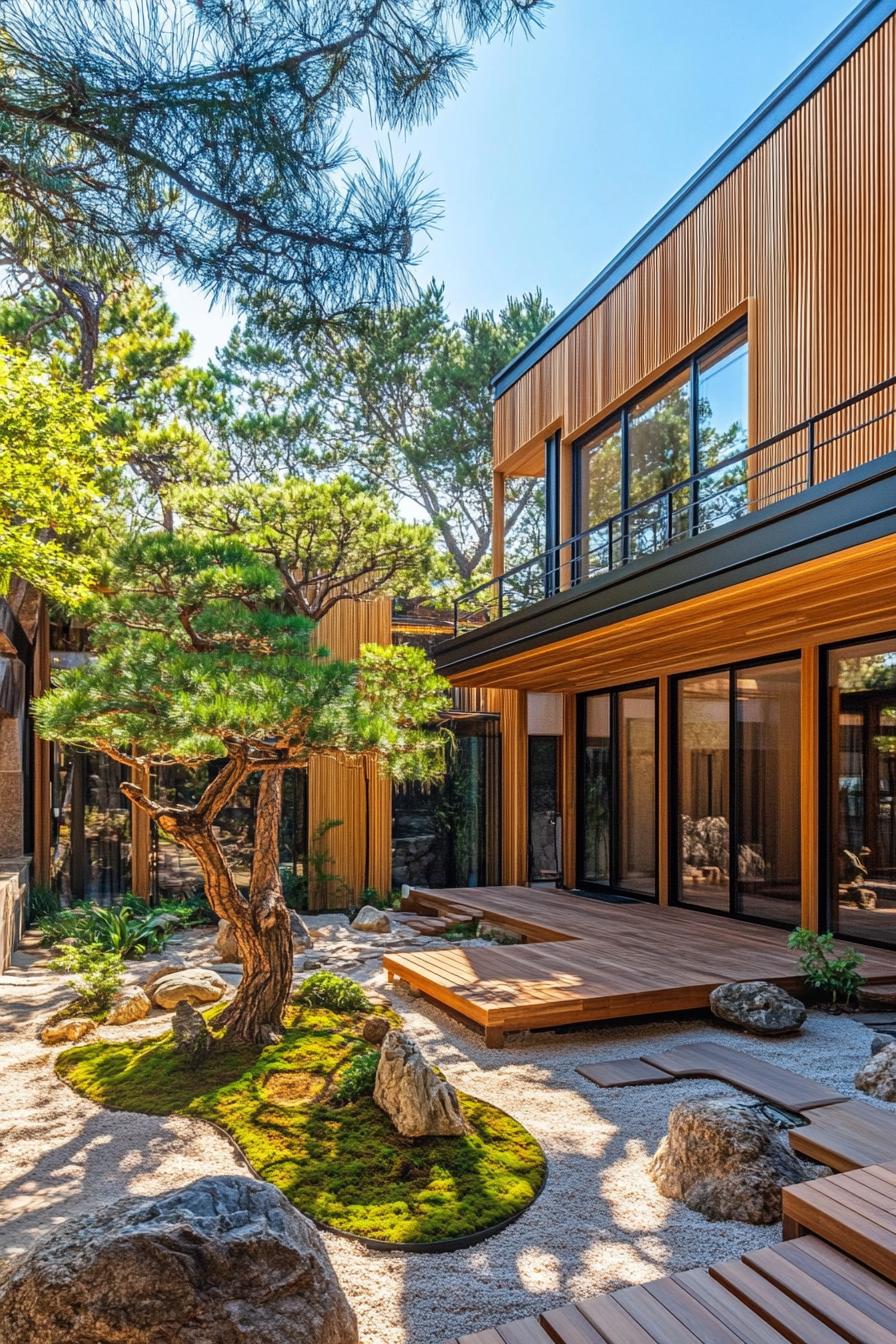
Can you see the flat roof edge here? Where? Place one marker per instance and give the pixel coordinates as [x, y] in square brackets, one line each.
[796, 89]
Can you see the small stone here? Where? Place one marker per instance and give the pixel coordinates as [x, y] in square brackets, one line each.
[726, 1160]
[69, 1029]
[196, 985]
[415, 1098]
[375, 1029]
[301, 934]
[169, 967]
[370, 920]
[129, 1005]
[224, 1259]
[757, 1006]
[312, 964]
[878, 1076]
[191, 1034]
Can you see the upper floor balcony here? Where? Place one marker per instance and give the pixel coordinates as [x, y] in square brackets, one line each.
[752, 509]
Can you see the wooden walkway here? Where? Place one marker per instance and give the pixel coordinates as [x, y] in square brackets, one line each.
[589, 960]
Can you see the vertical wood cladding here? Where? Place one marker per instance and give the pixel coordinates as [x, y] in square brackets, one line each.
[805, 230]
[360, 849]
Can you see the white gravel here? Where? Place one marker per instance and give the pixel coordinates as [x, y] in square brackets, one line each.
[599, 1223]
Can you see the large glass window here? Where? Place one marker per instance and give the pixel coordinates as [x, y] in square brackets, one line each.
[862, 752]
[695, 419]
[738, 767]
[618, 804]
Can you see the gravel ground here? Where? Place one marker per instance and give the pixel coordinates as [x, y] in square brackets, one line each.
[599, 1223]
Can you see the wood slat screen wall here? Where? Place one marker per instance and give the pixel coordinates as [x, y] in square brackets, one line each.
[804, 231]
[337, 789]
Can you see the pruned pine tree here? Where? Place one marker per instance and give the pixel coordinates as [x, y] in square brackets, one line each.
[329, 542]
[196, 661]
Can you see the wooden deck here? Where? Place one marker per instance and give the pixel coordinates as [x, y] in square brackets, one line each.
[590, 960]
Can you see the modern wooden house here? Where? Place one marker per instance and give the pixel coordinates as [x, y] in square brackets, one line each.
[696, 677]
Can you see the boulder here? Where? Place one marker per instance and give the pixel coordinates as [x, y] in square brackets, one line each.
[129, 1005]
[726, 1160]
[169, 967]
[879, 1042]
[191, 1035]
[69, 1029]
[370, 920]
[375, 1028]
[225, 945]
[227, 949]
[224, 1260]
[757, 1006]
[877, 1077]
[415, 1098]
[193, 985]
[301, 934]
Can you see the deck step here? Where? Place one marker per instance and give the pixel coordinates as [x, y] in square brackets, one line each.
[853, 1210]
[852, 1134]
[781, 1087]
[624, 1073]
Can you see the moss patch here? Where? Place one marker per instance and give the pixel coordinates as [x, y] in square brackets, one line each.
[344, 1166]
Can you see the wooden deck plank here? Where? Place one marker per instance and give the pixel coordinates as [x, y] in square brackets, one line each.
[776, 1307]
[833, 1212]
[782, 1087]
[623, 1073]
[851, 1134]
[832, 1298]
[734, 1313]
[590, 960]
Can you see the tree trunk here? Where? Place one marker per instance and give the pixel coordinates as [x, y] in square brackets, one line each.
[261, 924]
[264, 936]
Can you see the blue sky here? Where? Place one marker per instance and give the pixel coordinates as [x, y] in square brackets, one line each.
[563, 145]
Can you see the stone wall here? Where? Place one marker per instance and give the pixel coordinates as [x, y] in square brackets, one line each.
[13, 898]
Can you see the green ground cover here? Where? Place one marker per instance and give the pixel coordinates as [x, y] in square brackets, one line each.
[341, 1163]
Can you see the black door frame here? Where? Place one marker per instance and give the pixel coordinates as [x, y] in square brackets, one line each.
[613, 886]
[827, 751]
[674, 850]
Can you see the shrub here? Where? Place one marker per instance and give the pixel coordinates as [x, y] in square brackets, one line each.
[832, 975]
[358, 1078]
[295, 888]
[323, 989]
[43, 901]
[129, 930]
[95, 974]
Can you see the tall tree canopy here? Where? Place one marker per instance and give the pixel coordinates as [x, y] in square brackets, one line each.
[211, 138]
[196, 661]
[400, 396]
[56, 470]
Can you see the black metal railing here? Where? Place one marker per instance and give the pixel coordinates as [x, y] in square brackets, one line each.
[783, 465]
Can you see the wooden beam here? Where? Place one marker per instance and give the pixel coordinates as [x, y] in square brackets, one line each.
[810, 788]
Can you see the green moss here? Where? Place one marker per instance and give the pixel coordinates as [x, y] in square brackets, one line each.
[343, 1165]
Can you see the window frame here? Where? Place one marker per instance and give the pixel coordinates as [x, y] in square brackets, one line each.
[620, 417]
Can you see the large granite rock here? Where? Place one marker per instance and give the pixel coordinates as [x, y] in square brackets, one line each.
[757, 1006]
[194, 985]
[370, 920]
[726, 1160]
[192, 1037]
[226, 1260]
[69, 1029]
[415, 1098]
[878, 1076]
[129, 1005]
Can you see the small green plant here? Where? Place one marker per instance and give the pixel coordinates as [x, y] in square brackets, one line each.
[327, 887]
[831, 975]
[358, 1078]
[323, 989]
[130, 930]
[43, 902]
[95, 974]
[295, 887]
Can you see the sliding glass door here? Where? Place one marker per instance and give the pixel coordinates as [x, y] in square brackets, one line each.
[617, 801]
[737, 761]
[862, 790]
